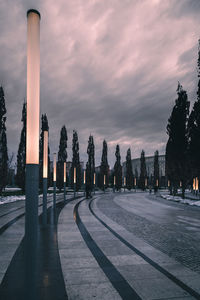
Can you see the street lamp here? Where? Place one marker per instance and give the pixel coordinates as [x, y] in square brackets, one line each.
[32, 126]
[145, 183]
[84, 174]
[94, 182]
[45, 175]
[64, 179]
[135, 183]
[32, 151]
[54, 180]
[74, 182]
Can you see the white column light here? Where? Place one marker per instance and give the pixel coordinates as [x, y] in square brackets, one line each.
[64, 171]
[45, 154]
[74, 174]
[33, 87]
[54, 167]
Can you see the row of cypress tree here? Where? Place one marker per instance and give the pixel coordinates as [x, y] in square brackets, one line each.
[62, 157]
[183, 145]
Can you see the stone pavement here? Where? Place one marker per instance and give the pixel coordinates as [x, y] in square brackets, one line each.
[147, 272]
[108, 247]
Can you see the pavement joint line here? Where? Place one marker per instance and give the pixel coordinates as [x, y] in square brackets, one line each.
[120, 285]
[146, 258]
[14, 220]
[45, 235]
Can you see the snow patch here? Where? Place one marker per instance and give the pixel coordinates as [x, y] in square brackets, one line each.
[184, 201]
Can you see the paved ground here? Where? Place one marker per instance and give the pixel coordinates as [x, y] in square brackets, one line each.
[115, 246]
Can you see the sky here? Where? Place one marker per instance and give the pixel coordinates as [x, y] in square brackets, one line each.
[109, 68]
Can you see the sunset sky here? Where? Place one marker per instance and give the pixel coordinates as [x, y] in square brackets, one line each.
[108, 67]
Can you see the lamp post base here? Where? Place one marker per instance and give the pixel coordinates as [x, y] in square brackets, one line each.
[44, 201]
[54, 195]
[64, 191]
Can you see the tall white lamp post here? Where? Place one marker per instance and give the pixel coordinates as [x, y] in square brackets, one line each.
[64, 180]
[45, 175]
[32, 126]
[74, 182]
[54, 181]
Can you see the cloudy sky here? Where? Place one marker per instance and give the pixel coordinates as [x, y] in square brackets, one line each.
[108, 67]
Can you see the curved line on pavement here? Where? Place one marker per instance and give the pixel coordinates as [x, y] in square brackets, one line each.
[114, 276]
[146, 258]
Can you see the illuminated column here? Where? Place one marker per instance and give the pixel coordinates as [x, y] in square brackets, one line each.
[124, 183]
[94, 182]
[168, 183]
[157, 182]
[84, 177]
[135, 183]
[180, 183]
[54, 180]
[145, 183]
[45, 175]
[74, 182]
[104, 182]
[114, 184]
[64, 179]
[32, 126]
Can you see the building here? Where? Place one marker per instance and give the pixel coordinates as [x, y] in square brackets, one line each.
[149, 167]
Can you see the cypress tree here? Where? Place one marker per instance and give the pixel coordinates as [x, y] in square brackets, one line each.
[75, 162]
[194, 131]
[62, 157]
[45, 127]
[118, 169]
[129, 170]
[104, 168]
[21, 155]
[177, 145]
[156, 168]
[3, 143]
[90, 166]
[143, 171]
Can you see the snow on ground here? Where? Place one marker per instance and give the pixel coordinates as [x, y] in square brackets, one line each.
[9, 199]
[179, 199]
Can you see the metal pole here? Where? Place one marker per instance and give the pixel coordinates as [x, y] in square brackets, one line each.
[54, 194]
[64, 191]
[74, 189]
[45, 201]
[31, 217]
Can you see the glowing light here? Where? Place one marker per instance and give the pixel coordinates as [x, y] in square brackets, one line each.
[146, 182]
[180, 183]
[64, 171]
[104, 179]
[84, 177]
[156, 182]
[168, 183]
[114, 180]
[74, 174]
[33, 87]
[94, 178]
[124, 180]
[197, 183]
[135, 181]
[54, 167]
[45, 154]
